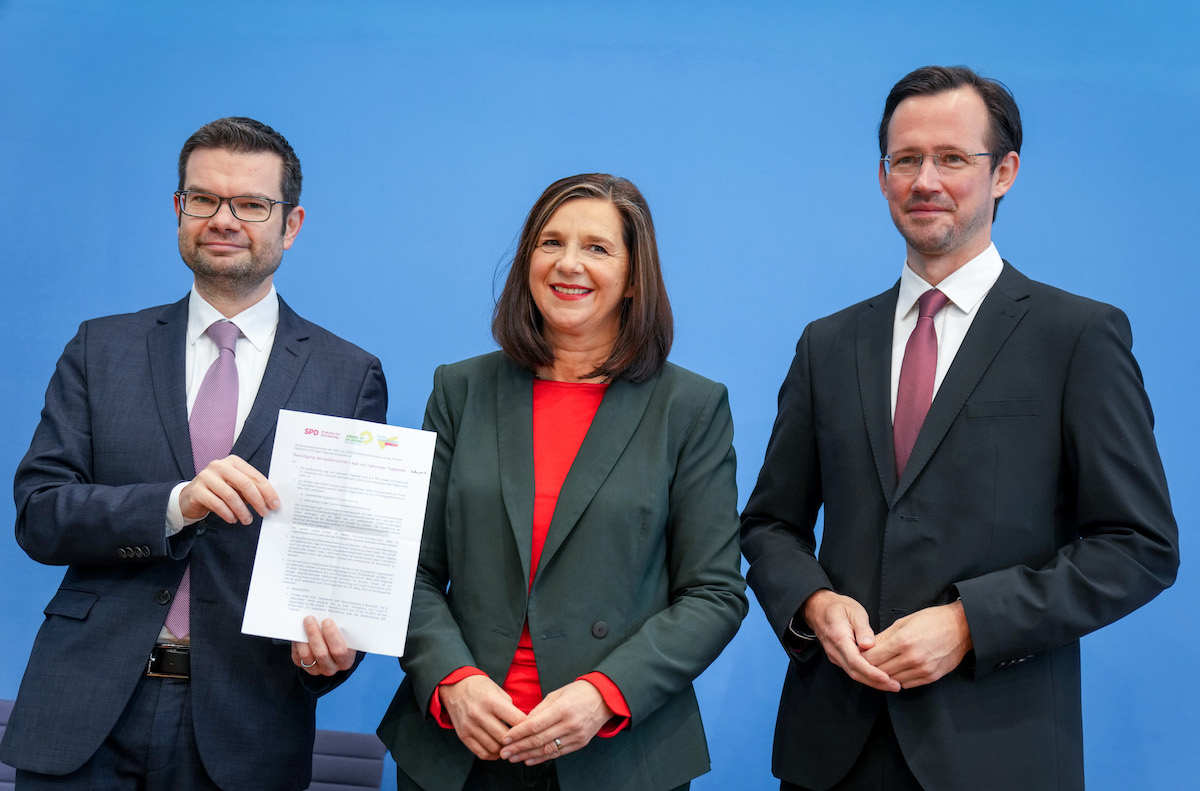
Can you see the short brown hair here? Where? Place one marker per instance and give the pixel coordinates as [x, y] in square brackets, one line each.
[246, 136]
[1004, 119]
[647, 328]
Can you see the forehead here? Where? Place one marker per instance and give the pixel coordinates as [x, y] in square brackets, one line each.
[950, 119]
[227, 172]
[594, 215]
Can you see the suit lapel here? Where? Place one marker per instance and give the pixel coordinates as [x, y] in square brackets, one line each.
[514, 437]
[289, 353]
[165, 345]
[874, 359]
[618, 417]
[1000, 313]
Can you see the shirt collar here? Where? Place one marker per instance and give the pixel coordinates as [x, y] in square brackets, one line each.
[965, 287]
[257, 322]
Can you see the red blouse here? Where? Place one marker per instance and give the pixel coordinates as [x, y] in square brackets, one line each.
[562, 414]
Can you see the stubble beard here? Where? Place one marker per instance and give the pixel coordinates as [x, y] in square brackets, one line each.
[927, 238]
[936, 238]
[233, 277]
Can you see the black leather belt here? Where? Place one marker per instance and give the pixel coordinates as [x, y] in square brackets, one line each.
[170, 661]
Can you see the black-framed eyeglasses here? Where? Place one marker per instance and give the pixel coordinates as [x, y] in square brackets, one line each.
[945, 162]
[247, 208]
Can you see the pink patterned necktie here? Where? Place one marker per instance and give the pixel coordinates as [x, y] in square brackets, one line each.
[915, 392]
[214, 417]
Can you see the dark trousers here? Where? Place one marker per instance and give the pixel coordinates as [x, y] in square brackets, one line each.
[504, 776]
[151, 748]
[880, 766]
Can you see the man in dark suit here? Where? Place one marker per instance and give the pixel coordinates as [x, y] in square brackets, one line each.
[118, 487]
[934, 641]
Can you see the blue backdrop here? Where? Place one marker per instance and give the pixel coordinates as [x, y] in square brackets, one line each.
[428, 130]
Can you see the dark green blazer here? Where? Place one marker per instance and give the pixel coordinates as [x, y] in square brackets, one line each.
[639, 578]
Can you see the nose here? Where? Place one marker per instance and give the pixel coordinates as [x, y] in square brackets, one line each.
[224, 217]
[928, 177]
[571, 259]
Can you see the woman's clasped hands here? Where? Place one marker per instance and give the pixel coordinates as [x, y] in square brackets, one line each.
[492, 728]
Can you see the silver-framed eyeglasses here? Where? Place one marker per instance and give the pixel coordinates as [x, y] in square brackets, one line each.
[247, 208]
[946, 162]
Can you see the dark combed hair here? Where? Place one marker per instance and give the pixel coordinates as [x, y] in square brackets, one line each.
[246, 136]
[646, 326]
[1004, 128]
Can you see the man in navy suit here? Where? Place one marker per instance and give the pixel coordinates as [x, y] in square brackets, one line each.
[113, 698]
[934, 640]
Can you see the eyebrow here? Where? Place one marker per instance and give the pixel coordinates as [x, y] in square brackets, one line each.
[197, 188]
[936, 149]
[593, 238]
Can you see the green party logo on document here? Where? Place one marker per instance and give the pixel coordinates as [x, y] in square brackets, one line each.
[362, 438]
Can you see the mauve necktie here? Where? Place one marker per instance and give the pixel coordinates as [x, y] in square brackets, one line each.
[915, 392]
[214, 417]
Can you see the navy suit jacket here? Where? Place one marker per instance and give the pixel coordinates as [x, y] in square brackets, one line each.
[639, 577]
[91, 494]
[1034, 491]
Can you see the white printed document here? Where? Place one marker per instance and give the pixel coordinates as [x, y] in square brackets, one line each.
[344, 542]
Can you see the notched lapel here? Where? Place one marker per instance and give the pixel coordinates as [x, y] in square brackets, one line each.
[1001, 312]
[165, 345]
[616, 420]
[288, 356]
[873, 354]
[514, 438]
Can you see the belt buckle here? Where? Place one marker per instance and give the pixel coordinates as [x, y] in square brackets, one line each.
[156, 658]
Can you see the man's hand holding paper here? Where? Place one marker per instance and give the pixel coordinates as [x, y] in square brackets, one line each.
[343, 545]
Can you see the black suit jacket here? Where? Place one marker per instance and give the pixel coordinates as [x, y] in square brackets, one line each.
[1034, 491]
[639, 577]
[92, 494]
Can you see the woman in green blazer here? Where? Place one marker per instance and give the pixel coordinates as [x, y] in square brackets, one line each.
[579, 566]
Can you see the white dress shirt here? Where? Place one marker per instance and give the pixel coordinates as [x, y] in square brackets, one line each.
[966, 288]
[257, 324]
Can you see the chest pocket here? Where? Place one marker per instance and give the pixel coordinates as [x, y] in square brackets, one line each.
[1019, 407]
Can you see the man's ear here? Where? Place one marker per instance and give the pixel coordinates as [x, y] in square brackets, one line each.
[291, 226]
[1005, 174]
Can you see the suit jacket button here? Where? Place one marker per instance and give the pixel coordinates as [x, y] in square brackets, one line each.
[163, 596]
[200, 530]
[600, 630]
[121, 553]
[146, 551]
